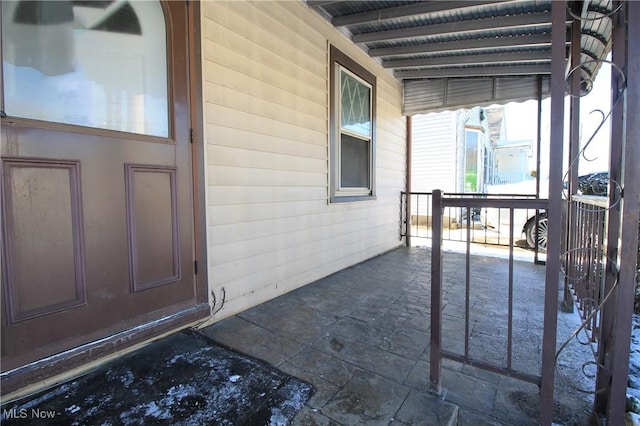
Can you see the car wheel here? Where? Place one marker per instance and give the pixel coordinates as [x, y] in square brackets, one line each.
[530, 232]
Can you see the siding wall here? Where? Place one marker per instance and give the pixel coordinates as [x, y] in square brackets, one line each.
[270, 226]
[433, 160]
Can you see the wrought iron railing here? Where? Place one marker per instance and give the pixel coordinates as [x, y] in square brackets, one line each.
[482, 224]
[584, 260]
[510, 365]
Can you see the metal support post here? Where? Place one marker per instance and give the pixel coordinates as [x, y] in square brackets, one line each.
[552, 277]
[630, 217]
[436, 294]
[574, 150]
[605, 345]
[408, 183]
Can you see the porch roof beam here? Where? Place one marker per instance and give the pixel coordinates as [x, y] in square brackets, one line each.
[464, 45]
[423, 8]
[490, 71]
[479, 59]
[317, 4]
[471, 25]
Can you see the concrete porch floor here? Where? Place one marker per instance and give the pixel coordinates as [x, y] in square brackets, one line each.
[361, 337]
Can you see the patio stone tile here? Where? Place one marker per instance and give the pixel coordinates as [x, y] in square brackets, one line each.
[362, 331]
[370, 358]
[407, 342]
[419, 323]
[469, 392]
[253, 340]
[427, 410]
[336, 301]
[494, 326]
[452, 325]
[455, 344]
[324, 390]
[366, 399]
[306, 334]
[411, 308]
[312, 417]
[370, 309]
[418, 378]
[516, 402]
[472, 418]
[309, 324]
[287, 308]
[489, 349]
[329, 368]
[479, 373]
[356, 281]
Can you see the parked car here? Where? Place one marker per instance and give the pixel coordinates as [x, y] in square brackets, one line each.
[525, 220]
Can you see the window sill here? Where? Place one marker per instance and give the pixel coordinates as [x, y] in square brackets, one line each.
[351, 198]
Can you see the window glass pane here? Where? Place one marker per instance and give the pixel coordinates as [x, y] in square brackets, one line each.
[90, 63]
[471, 161]
[354, 162]
[355, 105]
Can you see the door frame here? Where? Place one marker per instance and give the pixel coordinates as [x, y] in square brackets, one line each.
[61, 367]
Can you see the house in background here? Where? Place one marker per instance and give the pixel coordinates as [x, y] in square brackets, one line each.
[466, 150]
[508, 161]
[449, 150]
[511, 162]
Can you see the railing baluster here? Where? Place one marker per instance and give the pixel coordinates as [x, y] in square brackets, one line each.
[467, 287]
[435, 356]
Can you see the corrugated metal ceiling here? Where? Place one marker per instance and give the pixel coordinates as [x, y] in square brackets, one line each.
[432, 44]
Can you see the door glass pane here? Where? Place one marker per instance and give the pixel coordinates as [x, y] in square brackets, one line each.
[91, 63]
[354, 162]
[355, 105]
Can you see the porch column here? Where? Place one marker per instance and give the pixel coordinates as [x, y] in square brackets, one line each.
[435, 357]
[407, 217]
[552, 277]
[605, 346]
[574, 151]
[630, 216]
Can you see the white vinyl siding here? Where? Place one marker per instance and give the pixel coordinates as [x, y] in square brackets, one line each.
[270, 226]
[433, 163]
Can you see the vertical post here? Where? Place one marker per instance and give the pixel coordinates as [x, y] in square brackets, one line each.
[436, 294]
[574, 149]
[539, 138]
[467, 285]
[408, 183]
[510, 311]
[558, 37]
[605, 345]
[538, 161]
[630, 217]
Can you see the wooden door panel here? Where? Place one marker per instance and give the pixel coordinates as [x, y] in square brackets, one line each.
[154, 255]
[98, 224]
[44, 238]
